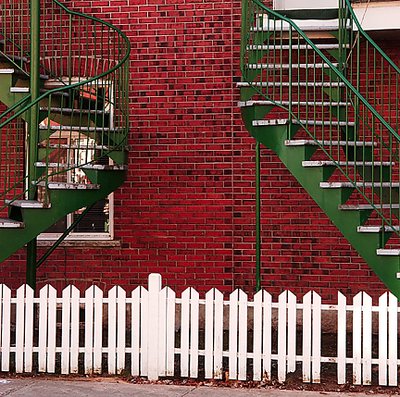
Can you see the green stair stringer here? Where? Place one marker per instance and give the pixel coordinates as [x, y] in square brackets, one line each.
[329, 200]
[62, 202]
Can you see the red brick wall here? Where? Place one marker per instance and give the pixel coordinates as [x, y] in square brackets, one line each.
[187, 208]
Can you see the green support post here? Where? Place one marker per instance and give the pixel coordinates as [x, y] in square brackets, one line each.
[32, 138]
[258, 218]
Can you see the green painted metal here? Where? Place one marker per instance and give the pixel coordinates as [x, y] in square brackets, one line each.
[294, 87]
[258, 216]
[77, 119]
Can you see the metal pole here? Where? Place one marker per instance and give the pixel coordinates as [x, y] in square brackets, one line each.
[32, 139]
[258, 218]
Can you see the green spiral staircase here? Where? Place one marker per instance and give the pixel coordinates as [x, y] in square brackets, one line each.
[325, 99]
[63, 118]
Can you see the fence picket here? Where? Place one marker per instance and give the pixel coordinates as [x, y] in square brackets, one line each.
[153, 319]
[194, 333]
[135, 331]
[19, 331]
[357, 338]
[393, 330]
[89, 295]
[316, 338]
[292, 322]
[382, 347]
[282, 339]
[112, 330]
[367, 339]
[209, 334]
[257, 336]
[233, 334]
[341, 338]
[5, 303]
[267, 335]
[65, 330]
[144, 332]
[52, 326]
[121, 333]
[218, 334]
[166, 332]
[43, 312]
[98, 330]
[28, 349]
[243, 304]
[307, 337]
[75, 311]
[185, 332]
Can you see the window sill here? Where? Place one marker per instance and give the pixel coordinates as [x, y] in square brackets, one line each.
[81, 243]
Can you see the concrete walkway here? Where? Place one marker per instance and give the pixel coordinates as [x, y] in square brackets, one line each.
[35, 387]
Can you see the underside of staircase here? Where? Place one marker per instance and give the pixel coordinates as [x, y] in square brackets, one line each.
[319, 92]
[63, 118]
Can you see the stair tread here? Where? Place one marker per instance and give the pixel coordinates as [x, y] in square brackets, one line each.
[265, 47]
[20, 72]
[78, 128]
[68, 186]
[20, 90]
[338, 185]
[308, 25]
[100, 167]
[294, 103]
[73, 147]
[259, 123]
[25, 203]
[361, 207]
[72, 110]
[388, 252]
[304, 142]
[289, 65]
[6, 223]
[377, 229]
[245, 84]
[327, 163]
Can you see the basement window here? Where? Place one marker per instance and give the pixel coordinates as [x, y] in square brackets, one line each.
[78, 149]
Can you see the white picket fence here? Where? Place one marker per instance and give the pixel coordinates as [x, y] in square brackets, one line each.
[152, 333]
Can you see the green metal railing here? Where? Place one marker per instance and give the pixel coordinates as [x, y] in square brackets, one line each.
[348, 108]
[82, 107]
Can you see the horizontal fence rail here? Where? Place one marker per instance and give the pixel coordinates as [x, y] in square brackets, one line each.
[153, 333]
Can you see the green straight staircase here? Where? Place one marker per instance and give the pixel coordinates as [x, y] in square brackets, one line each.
[63, 118]
[320, 93]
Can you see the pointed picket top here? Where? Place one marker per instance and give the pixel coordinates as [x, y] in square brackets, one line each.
[93, 291]
[70, 291]
[5, 319]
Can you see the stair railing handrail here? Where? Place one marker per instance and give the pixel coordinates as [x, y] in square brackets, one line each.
[327, 61]
[119, 62]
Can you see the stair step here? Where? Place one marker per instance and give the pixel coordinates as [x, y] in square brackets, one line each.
[339, 185]
[259, 123]
[307, 142]
[377, 229]
[264, 47]
[388, 252]
[311, 25]
[18, 90]
[327, 163]
[242, 104]
[362, 207]
[10, 224]
[72, 110]
[78, 128]
[26, 203]
[245, 84]
[73, 147]
[19, 72]
[68, 186]
[290, 65]
[100, 167]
